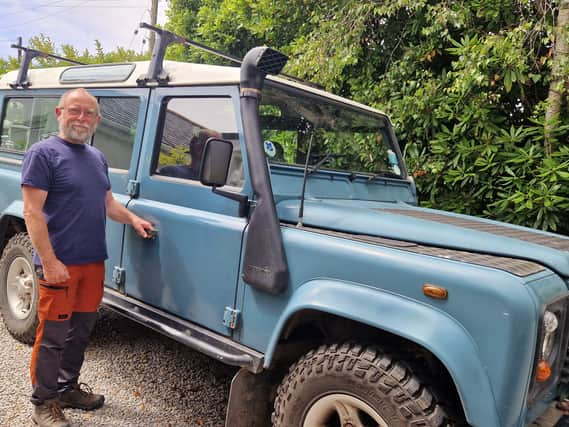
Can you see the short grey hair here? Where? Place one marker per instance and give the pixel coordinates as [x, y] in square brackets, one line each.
[81, 90]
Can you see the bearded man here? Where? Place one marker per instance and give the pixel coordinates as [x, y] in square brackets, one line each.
[67, 197]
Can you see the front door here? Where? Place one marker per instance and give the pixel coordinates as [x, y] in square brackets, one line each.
[191, 268]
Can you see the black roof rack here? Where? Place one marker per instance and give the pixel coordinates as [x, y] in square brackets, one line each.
[29, 54]
[155, 72]
[164, 38]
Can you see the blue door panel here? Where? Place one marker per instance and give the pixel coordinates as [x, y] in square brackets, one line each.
[191, 268]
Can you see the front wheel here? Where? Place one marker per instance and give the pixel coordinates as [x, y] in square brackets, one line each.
[18, 289]
[356, 386]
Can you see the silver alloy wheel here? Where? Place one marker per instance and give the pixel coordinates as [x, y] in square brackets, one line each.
[20, 287]
[345, 408]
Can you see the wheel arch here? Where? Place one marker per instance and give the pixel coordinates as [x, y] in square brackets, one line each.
[424, 326]
[11, 222]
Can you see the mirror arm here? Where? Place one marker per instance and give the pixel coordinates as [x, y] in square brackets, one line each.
[243, 200]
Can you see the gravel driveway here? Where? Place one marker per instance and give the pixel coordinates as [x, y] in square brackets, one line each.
[148, 380]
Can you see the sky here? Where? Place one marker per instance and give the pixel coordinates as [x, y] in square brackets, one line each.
[77, 22]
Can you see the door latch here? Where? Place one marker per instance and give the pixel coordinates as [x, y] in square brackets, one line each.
[230, 317]
[132, 188]
[119, 276]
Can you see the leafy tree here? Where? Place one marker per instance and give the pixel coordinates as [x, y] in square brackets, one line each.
[44, 44]
[559, 72]
[467, 84]
[234, 26]
[8, 64]
[176, 156]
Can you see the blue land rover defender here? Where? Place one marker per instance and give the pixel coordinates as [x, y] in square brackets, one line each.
[294, 253]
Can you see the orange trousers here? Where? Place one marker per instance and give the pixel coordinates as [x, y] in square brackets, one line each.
[67, 313]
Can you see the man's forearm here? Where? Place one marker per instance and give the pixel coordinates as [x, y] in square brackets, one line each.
[119, 213]
[37, 230]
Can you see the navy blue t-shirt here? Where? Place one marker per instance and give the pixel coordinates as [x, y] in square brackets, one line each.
[76, 179]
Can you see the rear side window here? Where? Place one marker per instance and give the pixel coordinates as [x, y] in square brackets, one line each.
[188, 123]
[116, 132]
[27, 121]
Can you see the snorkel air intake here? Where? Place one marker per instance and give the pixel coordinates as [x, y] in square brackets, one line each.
[264, 263]
[259, 62]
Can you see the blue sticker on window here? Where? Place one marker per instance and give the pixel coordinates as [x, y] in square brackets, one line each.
[270, 149]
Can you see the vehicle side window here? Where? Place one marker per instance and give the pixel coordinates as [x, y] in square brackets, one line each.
[26, 121]
[188, 123]
[116, 132]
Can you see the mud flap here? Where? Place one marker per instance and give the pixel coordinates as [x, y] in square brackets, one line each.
[250, 402]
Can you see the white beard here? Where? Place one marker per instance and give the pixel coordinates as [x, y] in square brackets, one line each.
[78, 133]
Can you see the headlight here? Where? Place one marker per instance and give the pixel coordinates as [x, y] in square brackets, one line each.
[551, 349]
[550, 325]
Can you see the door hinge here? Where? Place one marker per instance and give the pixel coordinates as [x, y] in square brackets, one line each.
[119, 276]
[230, 317]
[132, 188]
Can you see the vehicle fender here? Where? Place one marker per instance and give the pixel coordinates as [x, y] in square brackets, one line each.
[425, 325]
[14, 209]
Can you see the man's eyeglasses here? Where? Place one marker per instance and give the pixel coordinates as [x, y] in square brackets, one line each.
[76, 111]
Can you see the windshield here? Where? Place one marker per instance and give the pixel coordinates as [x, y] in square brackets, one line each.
[336, 136]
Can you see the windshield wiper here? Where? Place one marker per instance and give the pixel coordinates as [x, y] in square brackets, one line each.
[323, 160]
[384, 174]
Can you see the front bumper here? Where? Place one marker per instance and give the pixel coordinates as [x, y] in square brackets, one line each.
[551, 417]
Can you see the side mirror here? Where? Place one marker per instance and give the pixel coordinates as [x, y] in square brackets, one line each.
[215, 168]
[215, 162]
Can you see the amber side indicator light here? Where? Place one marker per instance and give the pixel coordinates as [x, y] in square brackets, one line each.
[434, 291]
[543, 371]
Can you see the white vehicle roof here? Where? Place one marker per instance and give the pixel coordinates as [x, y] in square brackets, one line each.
[179, 74]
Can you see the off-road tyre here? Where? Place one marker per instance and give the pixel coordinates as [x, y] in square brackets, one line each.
[22, 329]
[365, 373]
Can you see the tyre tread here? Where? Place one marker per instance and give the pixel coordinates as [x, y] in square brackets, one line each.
[414, 401]
[27, 335]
